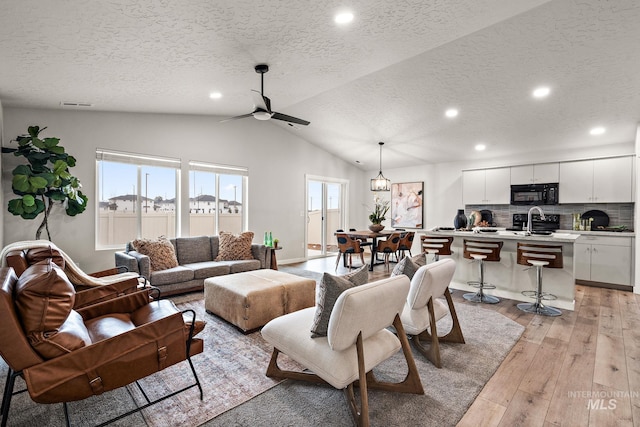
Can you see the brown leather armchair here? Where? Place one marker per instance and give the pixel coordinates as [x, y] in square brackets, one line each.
[65, 353]
[111, 282]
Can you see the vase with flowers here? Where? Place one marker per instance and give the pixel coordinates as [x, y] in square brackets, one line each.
[380, 209]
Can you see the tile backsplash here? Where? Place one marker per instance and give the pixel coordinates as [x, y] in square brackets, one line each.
[619, 213]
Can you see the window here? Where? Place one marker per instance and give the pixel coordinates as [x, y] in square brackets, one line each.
[138, 196]
[217, 199]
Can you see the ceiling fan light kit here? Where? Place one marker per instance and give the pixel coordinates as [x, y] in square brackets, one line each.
[262, 104]
[380, 183]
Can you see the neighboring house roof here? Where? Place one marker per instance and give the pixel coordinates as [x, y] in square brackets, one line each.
[128, 197]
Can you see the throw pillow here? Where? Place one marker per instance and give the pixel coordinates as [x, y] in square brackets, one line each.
[407, 267]
[35, 255]
[358, 277]
[235, 246]
[160, 252]
[44, 302]
[419, 259]
[329, 290]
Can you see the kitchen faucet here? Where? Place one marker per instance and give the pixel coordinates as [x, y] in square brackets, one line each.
[529, 219]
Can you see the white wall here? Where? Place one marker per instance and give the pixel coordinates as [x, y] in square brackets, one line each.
[277, 161]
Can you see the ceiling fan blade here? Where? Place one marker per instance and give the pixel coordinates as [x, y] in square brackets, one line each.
[284, 117]
[259, 101]
[236, 118]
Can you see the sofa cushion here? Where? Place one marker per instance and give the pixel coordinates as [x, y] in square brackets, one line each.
[203, 270]
[215, 246]
[172, 275]
[327, 294]
[44, 297]
[244, 265]
[160, 251]
[234, 246]
[35, 255]
[193, 249]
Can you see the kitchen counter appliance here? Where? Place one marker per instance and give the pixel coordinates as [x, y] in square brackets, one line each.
[551, 222]
[534, 194]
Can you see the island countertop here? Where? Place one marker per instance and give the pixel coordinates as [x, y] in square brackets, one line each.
[502, 234]
[509, 277]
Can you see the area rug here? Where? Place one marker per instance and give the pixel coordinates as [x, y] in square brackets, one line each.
[448, 394]
[301, 272]
[231, 370]
[236, 391]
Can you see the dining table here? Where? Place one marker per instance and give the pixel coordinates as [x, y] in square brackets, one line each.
[368, 234]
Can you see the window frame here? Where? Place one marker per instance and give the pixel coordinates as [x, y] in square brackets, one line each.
[221, 169]
[139, 161]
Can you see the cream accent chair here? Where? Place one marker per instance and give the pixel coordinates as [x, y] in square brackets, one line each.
[424, 307]
[357, 341]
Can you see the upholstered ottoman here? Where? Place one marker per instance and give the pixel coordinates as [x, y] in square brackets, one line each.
[251, 299]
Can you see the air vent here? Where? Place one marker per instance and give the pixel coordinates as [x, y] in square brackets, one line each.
[65, 104]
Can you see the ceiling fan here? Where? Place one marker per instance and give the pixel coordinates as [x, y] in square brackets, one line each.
[262, 104]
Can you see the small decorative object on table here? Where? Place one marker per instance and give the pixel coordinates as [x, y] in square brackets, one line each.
[380, 209]
[275, 243]
[460, 220]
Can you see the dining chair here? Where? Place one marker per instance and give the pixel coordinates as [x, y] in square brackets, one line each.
[348, 246]
[406, 241]
[388, 247]
[363, 240]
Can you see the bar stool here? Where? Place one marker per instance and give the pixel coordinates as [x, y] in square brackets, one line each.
[539, 256]
[436, 246]
[481, 251]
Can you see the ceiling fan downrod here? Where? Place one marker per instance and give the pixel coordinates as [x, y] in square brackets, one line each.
[261, 69]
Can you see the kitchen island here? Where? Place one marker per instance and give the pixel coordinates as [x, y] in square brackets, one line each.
[509, 277]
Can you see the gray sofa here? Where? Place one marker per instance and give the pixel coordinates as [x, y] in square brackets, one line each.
[196, 257]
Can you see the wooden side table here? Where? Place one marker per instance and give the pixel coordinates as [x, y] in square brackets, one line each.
[274, 262]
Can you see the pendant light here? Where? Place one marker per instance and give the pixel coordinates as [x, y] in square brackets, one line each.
[380, 183]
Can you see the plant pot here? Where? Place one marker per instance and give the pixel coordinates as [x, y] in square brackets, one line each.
[376, 228]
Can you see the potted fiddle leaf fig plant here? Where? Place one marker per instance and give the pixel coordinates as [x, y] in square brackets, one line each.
[44, 180]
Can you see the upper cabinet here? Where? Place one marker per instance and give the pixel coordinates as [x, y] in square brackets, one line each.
[486, 186]
[535, 174]
[597, 181]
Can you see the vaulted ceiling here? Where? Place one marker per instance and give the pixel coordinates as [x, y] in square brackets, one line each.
[387, 76]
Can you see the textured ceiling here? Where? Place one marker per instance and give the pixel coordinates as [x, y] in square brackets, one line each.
[387, 76]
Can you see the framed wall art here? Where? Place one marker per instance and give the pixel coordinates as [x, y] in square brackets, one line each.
[406, 204]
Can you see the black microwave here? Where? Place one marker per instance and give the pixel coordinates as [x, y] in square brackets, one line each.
[535, 194]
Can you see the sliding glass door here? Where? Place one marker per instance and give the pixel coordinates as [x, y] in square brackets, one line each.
[325, 214]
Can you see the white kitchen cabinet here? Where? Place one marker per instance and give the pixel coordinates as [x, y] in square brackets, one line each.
[603, 259]
[613, 180]
[486, 186]
[535, 174]
[597, 181]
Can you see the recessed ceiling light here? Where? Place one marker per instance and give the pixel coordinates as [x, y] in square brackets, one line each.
[480, 147]
[343, 18]
[215, 95]
[541, 92]
[451, 112]
[597, 130]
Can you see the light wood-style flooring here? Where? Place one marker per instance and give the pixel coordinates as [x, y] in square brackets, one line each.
[579, 369]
